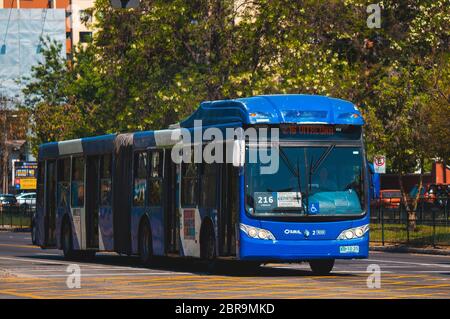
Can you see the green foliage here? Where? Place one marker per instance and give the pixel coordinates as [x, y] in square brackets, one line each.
[149, 67]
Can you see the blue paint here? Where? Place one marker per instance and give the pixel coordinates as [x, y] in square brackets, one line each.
[277, 109]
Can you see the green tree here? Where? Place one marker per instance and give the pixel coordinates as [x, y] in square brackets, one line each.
[48, 98]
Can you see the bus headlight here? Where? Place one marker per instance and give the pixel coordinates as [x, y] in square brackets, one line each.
[257, 233]
[353, 233]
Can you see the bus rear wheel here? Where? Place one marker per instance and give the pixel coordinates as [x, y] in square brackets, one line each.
[321, 266]
[145, 244]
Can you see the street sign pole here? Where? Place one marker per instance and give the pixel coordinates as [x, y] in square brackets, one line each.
[13, 173]
[379, 164]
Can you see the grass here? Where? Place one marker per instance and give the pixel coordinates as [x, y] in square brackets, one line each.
[422, 236]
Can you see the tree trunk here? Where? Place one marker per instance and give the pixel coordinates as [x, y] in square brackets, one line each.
[411, 203]
[412, 220]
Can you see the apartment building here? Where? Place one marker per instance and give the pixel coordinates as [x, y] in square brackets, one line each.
[75, 15]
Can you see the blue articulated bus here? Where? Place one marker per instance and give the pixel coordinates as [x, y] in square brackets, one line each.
[292, 186]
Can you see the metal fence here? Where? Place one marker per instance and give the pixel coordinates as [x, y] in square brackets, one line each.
[390, 220]
[17, 216]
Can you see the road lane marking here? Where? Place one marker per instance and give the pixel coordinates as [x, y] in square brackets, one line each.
[111, 274]
[21, 246]
[408, 263]
[87, 267]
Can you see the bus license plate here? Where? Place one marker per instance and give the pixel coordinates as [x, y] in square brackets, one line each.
[348, 249]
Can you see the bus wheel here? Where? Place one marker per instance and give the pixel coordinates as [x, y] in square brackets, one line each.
[67, 245]
[321, 266]
[208, 248]
[145, 243]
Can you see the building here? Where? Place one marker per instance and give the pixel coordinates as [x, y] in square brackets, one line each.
[75, 15]
[24, 22]
[20, 45]
[81, 21]
[440, 174]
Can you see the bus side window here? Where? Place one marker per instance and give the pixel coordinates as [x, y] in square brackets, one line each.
[189, 184]
[140, 178]
[208, 185]
[63, 191]
[77, 186]
[155, 179]
[105, 180]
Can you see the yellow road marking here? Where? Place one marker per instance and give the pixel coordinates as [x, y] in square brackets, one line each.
[21, 246]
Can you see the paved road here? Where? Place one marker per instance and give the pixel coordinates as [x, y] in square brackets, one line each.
[27, 271]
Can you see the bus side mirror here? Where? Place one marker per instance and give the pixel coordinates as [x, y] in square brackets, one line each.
[371, 169]
[238, 153]
[374, 182]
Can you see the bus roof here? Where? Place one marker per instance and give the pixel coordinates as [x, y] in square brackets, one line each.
[88, 146]
[264, 109]
[277, 109]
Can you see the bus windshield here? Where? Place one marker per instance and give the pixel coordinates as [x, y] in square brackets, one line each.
[310, 181]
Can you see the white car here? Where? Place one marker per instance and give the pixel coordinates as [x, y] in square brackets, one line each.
[26, 199]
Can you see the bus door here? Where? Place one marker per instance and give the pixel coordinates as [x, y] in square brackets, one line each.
[170, 204]
[50, 204]
[228, 211]
[122, 196]
[77, 202]
[92, 201]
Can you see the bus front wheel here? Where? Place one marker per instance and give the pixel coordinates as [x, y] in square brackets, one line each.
[321, 266]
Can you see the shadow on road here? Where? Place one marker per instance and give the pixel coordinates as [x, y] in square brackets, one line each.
[223, 268]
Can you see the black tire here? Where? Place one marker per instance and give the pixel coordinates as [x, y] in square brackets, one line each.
[321, 266]
[145, 243]
[208, 248]
[67, 242]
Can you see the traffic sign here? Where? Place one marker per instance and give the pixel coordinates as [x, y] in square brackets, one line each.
[379, 163]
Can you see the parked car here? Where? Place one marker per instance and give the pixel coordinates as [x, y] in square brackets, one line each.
[442, 194]
[429, 192]
[7, 200]
[26, 199]
[390, 198]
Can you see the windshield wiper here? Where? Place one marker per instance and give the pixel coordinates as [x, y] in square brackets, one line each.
[308, 180]
[293, 171]
[287, 162]
[299, 182]
[313, 168]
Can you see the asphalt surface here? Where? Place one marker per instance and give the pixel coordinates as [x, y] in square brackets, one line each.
[27, 271]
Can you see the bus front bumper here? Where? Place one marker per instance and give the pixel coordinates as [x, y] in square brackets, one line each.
[301, 250]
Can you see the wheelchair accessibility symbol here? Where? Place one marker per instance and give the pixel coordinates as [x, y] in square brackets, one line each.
[314, 208]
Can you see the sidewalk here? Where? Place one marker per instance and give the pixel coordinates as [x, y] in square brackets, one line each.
[398, 248]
